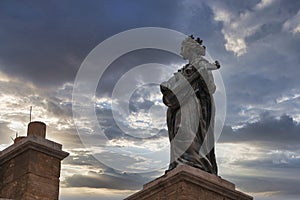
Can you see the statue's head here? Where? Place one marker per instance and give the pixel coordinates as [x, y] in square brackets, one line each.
[191, 48]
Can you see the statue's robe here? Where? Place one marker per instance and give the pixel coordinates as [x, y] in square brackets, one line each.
[190, 118]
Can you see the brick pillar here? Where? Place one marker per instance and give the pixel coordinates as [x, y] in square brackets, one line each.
[30, 168]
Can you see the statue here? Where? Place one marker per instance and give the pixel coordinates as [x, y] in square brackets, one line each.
[191, 111]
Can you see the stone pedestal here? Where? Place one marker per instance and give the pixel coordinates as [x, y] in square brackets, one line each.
[30, 168]
[188, 183]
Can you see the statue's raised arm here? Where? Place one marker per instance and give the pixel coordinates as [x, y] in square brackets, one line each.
[193, 51]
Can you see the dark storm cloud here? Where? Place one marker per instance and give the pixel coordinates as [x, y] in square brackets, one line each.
[46, 42]
[106, 177]
[276, 161]
[251, 92]
[275, 56]
[279, 132]
[266, 184]
[57, 108]
[264, 75]
[41, 42]
[110, 180]
[113, 132]
[264, 31]
[271, 52]
[268, 71]
[237, 6]
[130, 60]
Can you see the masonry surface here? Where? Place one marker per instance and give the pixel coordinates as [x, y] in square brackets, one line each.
[188, 183]
[30, 168]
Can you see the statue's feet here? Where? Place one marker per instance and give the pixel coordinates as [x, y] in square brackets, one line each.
[171, 167]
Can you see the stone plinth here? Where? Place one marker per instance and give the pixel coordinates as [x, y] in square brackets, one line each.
[188, 183]
[30, 168]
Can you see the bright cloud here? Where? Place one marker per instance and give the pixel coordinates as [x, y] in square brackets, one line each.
[293, 24]
[238, 26]
[263, 4]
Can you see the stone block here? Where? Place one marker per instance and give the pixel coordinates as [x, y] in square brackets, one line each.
[188, 183]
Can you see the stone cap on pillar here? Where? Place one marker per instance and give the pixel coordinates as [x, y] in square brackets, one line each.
[35, 140]
[37, 129]
[33, 143]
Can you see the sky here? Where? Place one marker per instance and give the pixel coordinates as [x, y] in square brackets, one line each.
[44, 45]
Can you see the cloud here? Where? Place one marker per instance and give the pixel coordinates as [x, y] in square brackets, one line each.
[263, 4]
[256, 83]
[269, 184]
[75, 193]
[263, 170]
[266, 153]
[241, 24]
[235, 29]
[52, 106]
[82, 157]
[277, 160]
[278, 132]
[110, 180]
[122, 66]
[6, 134]
[46, 43]
[82, 170]
[293, 24]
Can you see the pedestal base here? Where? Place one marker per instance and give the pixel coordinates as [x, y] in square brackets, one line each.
[188, 183]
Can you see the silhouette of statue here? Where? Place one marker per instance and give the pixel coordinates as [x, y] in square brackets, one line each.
[191, 111]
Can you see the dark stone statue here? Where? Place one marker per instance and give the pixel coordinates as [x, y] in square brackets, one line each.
[191, 111]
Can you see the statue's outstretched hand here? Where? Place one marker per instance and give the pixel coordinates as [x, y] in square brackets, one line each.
[217, 64]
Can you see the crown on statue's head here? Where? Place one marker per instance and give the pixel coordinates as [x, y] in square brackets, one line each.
[195, 45]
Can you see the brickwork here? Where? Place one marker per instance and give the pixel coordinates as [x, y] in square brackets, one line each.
[30, 168]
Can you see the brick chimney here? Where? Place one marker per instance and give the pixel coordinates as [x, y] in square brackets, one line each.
[30, 168]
